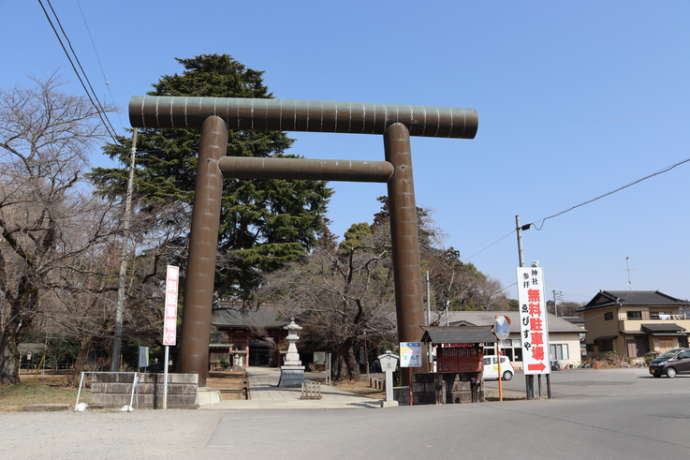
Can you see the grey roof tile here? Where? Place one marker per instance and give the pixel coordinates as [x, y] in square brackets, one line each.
[642, 298]
[488, 318]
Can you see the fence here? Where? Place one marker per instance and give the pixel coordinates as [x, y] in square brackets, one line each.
[311, 390]
[128, 407]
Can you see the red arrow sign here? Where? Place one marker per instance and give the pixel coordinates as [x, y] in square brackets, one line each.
[536, 367]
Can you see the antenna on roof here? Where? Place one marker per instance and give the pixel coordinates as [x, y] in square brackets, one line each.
[627, 268]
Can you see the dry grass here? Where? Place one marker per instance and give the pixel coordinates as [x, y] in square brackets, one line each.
[38, 389]
[362, 388]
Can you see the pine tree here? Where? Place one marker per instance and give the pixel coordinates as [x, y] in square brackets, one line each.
[264, 223]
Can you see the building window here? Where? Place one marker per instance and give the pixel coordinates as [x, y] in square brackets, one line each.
[660, 315]
[634, 315]
[608, 315]
[559, 351]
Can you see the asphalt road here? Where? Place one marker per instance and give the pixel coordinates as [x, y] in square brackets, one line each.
[602, 383]
[599, 414]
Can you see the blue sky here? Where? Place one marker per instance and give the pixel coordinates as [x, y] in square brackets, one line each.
[574, 98]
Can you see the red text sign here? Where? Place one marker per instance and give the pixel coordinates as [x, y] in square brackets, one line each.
[534, 330]
[172, 279]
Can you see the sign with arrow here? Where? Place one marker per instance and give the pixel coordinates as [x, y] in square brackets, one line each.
[534, 328]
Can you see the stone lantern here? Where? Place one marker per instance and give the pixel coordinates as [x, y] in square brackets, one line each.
[292, 371]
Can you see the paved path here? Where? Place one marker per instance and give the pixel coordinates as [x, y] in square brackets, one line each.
[265, 394]
[630, 427]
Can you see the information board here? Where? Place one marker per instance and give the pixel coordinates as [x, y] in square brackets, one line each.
[410, 354]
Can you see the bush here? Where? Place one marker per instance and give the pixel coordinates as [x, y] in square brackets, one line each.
[649, 356]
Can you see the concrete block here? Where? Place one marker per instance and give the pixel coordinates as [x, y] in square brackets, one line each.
[178, 402]
[181, 388]
[393, 403]
[181, 378]
[115, 390]
[204, 397]
[291, 377]
[112, 388]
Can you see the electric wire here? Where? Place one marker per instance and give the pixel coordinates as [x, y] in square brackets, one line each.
[106, 80]
[76, 57]
[97, 106]
[539, 226]
[490, 245]
[609, 193]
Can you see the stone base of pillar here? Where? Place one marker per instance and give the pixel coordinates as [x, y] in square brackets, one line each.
[291, 376]
[392, 403]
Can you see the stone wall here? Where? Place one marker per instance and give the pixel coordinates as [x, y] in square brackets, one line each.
[115, 390]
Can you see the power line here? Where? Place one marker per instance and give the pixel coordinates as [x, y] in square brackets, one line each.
[93, 44]
[504, 288]
[489, 245]
[579, 205]
[96, 103]
[106, 80]
[611, 192]
[76, 57]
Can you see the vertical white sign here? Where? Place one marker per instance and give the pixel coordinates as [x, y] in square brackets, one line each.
[534, 328]
[172, 278]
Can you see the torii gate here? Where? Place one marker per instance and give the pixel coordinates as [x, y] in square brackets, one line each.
[215, 115]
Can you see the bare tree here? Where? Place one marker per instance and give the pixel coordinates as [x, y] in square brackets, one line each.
[48, 220]
[339, 293]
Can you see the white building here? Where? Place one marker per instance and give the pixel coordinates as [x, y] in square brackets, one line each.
[564, 336]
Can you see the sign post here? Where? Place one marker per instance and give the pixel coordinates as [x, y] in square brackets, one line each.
[502, 332]
[389, 362]
[410, 356]
[534, 329]
[172, 279]
[143, 358]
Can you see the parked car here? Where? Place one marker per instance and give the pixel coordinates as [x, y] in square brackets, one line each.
[491, 368]
[671, 363]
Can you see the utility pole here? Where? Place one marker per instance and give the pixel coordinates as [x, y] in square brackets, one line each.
[122, 278]
[529, 381]
[366, 354]
[556, 295]
[429, 354]
[428, 300]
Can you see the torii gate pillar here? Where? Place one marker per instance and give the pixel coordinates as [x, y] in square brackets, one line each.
[201, 265]
[404, 235]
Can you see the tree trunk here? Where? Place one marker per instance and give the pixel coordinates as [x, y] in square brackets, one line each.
[352, 364]
[9, 359]
[81, 359]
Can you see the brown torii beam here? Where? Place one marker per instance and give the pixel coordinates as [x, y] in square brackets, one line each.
[215, 115]
[291, 115]
[294, 168]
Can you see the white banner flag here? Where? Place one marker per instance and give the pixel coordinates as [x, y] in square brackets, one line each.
[534, 327]
[172, 278]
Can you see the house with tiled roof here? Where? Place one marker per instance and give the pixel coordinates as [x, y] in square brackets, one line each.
[632, 323]
[564, 336]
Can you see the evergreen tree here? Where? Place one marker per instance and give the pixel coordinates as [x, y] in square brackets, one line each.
[264, 223]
